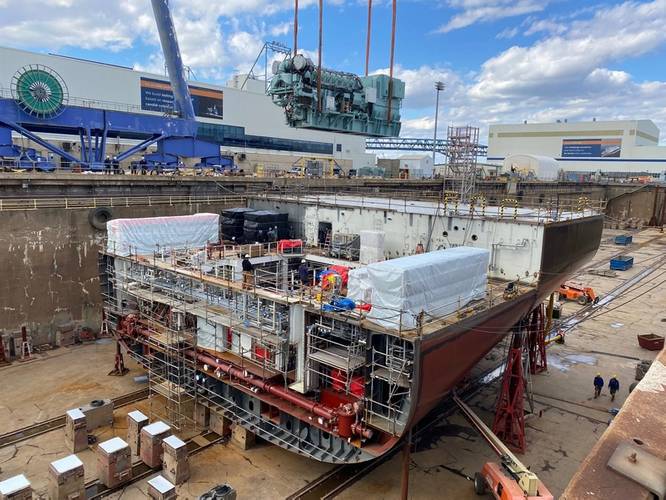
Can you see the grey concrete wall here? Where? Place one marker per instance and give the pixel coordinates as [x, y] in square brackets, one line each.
[49, 266]
[48, 258]
[642, 204]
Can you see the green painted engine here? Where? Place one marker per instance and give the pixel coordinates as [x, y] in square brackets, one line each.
[349, 103]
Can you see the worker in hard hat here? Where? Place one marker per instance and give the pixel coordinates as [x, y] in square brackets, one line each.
[613, 386]
[598, 385]
[304, 273]
[248, 273]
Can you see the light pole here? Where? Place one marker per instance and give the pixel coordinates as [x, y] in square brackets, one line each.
[439, 86]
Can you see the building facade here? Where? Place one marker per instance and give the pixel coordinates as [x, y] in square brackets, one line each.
[616, 148]
[254, 128]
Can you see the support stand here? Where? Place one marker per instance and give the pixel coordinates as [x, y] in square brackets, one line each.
[509, 423]
[119, 366]
[536, 341]
[26, 345]
[406, 460]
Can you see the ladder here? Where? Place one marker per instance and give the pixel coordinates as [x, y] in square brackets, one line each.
[327, 243]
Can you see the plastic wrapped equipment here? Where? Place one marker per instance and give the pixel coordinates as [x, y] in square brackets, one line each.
[435, 283]
[372, 246]
[145, 235]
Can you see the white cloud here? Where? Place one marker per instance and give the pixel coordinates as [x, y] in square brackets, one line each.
[481, 11]
[281, 29]
[563, 62]
[507, 33]
[561, 76]
[547, 26]
[216, 38]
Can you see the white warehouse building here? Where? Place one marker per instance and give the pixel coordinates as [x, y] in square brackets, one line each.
[617, 148]
[255, 126]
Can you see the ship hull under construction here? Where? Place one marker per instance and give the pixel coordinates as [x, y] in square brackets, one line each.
[336, 386]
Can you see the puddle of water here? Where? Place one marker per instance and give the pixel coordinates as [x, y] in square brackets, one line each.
[617, 325]
[563, 363]
[581, 358]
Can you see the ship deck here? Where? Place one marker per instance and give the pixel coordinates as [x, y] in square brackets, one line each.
[311, 297]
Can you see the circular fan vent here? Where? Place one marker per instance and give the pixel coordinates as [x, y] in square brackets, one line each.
[39, 91]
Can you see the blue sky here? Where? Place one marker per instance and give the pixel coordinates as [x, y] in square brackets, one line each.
[502, 60]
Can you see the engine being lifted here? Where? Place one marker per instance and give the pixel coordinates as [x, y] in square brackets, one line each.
[349, 103]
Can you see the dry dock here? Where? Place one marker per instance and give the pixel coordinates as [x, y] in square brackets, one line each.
[566, 426]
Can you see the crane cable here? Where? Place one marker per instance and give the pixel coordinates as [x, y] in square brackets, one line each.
[390, 84]
[367, 42]
[321, 22]
[295, 27]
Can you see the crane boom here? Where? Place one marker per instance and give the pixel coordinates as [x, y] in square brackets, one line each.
[526, 479]
[174, 62]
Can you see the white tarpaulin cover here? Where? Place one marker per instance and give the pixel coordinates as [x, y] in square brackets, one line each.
[437, 283]
[372, 246]
[143, 236]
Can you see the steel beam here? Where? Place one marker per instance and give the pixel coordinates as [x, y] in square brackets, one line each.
[35, 138]
[139, 147]
[415, 144]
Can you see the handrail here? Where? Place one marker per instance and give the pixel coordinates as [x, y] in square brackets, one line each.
[541, 210]
[93, 103]
[8, 204]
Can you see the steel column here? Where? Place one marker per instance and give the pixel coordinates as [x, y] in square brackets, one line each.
[509, 422]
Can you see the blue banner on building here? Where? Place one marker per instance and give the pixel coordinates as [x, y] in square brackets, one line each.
[156, 95]
[591, 148]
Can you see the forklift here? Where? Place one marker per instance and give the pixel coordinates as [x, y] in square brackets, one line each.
[578, 292]
[509, 479]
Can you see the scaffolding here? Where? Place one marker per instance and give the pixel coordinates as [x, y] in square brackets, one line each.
[336, 353]
[390, 382]
[162, 325]
[462, 157]
[175, 311]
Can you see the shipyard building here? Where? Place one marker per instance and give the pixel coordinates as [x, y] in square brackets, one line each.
[625, 148]
[254, 128]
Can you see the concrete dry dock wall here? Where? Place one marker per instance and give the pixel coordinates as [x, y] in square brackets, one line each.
[48, 256]
[49, 263]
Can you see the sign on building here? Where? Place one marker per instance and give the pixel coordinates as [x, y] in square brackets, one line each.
[591, 148]
[156, 95]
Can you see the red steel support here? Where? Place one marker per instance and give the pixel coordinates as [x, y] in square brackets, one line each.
[367, 42]
[509, 423]
[536, 341]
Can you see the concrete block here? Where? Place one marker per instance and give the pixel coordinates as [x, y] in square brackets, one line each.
[151, 443]
[241, 437]
[135, 422]
[65, 337]
[114, 462]
[16, 488]
[219, 423]
[202, 416]
[66, 479]
[176, 463]
[99, 413]
[159, 488]
[76, 432]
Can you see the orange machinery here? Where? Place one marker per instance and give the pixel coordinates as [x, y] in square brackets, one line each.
[578, 292]
[509, 479]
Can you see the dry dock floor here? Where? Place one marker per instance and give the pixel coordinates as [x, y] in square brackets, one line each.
[567, 420]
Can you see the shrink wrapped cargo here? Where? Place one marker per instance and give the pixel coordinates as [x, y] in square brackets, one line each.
[145, 235]
[434, 283]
